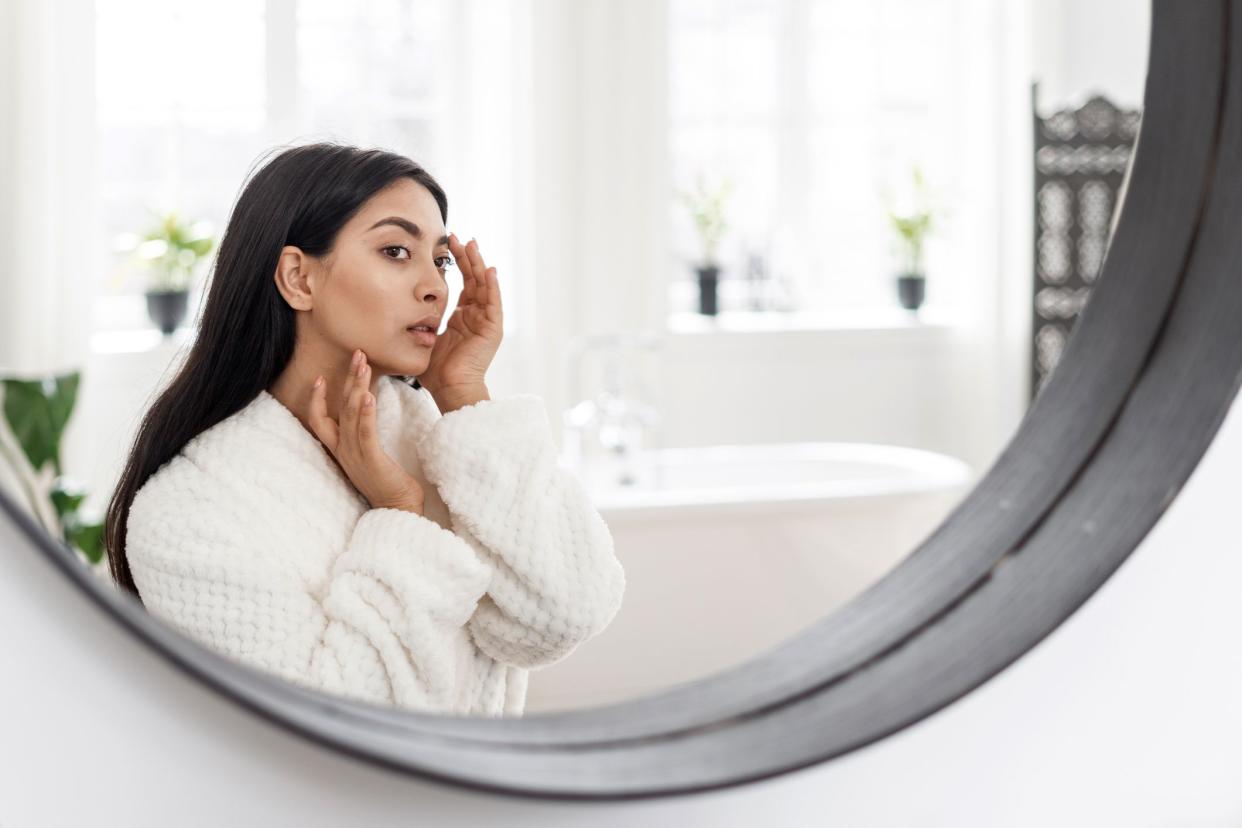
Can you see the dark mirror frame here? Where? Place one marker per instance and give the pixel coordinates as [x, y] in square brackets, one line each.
[1149, 372]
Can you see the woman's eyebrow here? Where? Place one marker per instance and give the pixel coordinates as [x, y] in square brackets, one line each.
[408, 226]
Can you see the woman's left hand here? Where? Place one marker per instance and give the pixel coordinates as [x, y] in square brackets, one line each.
[464, 351]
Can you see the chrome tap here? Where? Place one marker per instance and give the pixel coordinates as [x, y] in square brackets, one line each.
[605, 436]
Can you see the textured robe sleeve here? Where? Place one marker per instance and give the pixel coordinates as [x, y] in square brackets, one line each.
[556, 581]
[379, 630]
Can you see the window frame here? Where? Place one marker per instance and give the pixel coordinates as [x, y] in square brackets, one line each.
[791, 128]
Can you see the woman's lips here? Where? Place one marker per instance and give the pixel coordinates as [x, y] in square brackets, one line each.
[427, 338]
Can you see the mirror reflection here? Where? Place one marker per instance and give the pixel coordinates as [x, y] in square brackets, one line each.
[506, 357]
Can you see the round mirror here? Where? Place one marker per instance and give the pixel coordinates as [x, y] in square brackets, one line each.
[739, 382]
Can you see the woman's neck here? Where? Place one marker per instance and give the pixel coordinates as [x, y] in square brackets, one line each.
[295, 385]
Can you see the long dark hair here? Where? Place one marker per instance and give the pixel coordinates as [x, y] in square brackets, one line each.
[302, 197]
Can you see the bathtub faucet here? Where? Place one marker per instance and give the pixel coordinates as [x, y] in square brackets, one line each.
[605, 435]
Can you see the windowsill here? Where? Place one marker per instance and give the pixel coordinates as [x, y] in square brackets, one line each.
[122, 326]
[128, 340]
[927, 318]
[138, 340]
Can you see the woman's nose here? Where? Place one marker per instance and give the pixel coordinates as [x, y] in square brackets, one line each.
[433, 292]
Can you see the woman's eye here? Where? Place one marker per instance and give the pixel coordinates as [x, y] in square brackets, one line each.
[442, 262]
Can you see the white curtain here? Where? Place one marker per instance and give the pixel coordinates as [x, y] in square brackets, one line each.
[46, 184]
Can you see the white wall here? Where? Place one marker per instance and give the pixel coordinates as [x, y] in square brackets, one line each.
[1081, 48]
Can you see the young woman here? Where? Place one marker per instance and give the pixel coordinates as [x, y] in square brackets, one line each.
[326, 490]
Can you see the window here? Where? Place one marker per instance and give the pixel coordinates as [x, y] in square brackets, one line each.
[372, 71]
[818, 111]
[190, 95]
[171, 139]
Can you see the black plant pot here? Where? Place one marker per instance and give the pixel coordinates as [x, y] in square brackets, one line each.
[166, 308]
[708, 278]
[910, 289]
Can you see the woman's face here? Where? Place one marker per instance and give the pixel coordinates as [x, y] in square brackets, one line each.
[385, 274]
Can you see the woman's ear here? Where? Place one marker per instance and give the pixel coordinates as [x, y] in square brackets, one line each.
[293, 278]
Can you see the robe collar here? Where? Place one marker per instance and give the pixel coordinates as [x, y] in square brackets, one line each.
[403, 416]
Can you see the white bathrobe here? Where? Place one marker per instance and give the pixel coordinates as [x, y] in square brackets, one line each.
[255, 543]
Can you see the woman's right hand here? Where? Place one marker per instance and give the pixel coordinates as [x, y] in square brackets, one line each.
[355, 445]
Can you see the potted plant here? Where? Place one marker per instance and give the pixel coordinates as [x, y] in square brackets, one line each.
[911, 227]
[172, 250]
[707, 209]
[35, 415]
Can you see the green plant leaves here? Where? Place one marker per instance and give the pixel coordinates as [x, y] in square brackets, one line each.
[913, 226]
[88, 538]
[37, 411]
[66, 500]
[172, 249]
[707, 208]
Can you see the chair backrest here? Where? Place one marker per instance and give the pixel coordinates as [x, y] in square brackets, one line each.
[1081, 160]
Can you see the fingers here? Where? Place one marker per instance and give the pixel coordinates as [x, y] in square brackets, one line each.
[495, 310]
[359, 381]
[466, 267]
[478, 272]
[353, 437]
[367, 442]
[479, 282]
[476, 260]
[351, 378]
[364, 414]
[323, 425]
[487, 285]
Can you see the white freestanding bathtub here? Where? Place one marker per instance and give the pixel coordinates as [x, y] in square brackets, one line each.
[729, 550]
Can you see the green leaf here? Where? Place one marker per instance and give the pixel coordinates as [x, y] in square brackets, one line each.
[88, 538]
[61, 403]
[29, 418]
[66, 502]
[37, 412]
[185, 244]
[706, 206]
[201, 247]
